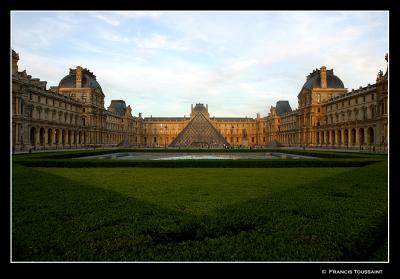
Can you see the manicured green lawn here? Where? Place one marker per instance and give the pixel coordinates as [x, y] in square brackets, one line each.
[199, 214]
[192, 190]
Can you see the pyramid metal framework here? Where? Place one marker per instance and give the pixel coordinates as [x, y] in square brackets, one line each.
[199, 133]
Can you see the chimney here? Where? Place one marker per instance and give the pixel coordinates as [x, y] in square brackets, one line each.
[15, 58]
[324, 83]
[140, 115]
[207, 107]
[191, 108]
[78, 80]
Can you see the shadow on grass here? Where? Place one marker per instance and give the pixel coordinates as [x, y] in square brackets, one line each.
[340, 218]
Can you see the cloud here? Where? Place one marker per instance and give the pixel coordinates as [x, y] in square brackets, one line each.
[109, 19]
[40, 32]
[114, 37]
[115, 18]
[134, 14]
[239, 63]
[159, 41]
[43, 67]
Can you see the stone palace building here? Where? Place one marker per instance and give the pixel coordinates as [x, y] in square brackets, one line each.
[72, 115]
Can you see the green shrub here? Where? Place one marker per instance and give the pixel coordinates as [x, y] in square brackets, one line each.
[276, 163]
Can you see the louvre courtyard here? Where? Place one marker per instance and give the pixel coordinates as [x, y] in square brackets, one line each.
[93, 184]
[133, 145]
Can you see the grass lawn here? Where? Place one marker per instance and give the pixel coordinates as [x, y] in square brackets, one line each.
[199, 214]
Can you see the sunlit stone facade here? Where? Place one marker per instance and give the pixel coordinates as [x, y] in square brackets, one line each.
[72, 115]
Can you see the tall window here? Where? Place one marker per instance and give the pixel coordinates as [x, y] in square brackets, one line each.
[318, 98]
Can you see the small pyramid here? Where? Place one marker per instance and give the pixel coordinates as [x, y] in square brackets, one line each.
[199, 133]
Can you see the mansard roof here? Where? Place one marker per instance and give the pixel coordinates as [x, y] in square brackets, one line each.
[88, 80]
[314, 80]
[283, 107]
[117, 107]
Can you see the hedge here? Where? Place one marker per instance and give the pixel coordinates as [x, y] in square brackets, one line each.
[245, 163]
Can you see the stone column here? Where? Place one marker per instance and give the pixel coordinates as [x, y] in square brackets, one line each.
[16, 128]
[25, 134]
[330, 137]
[338, 138]
[37, 137]
[63, 138]
[45, 135]
[327, 137]
[357, 136]
[59, 136]
[53, 136]
[343, 137]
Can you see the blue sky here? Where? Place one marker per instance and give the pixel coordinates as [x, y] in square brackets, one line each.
[239, 63]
